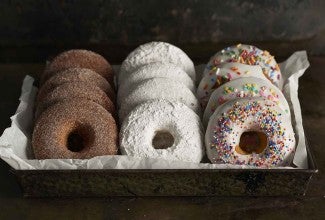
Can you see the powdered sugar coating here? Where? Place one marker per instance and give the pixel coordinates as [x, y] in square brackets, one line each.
[245, 87]
[76, 75]
[156, 52]
[158, 88]
[153, 70]
[78, 91]
[233, 118]
[79, 59]
[250, 55]
[140, 125]
[51, 131]
[224, 73]
[158, 69]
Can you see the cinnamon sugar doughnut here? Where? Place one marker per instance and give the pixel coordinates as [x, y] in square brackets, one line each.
[79, 59]
[76, 75]
[77, 129]
[77, 91]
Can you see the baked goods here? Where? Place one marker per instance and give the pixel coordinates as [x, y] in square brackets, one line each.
[75, 108]
[162, 129]
[158, 88]
[157, 69]
[245, 87]
[76, 75]
[250, 131]
[247, 117]
[156, 52]
[224, 73]
[250, 55]
[158, 110]
[78, 91]
[79, 59]
[74, 129]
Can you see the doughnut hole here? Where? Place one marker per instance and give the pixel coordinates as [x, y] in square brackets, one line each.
[80, 137]
[163, 139]
[251, 142]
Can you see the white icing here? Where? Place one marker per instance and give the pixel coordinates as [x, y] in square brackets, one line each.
[139, 128]
[153, 70]
[264, 59]
[158, 88]
[238, 89]
[248, 122]
[223, 73]
[156, 52]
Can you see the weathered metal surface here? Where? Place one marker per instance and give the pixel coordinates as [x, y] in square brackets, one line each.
[217, 182]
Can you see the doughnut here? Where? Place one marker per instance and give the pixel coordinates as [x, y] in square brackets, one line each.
[158, 69]
[76, 75]
[156, 52]
[250, 131]
[162, 129]
[76, 129]
[75, 90]
[158, 88]
[79, 59]
[245, 87]
[250, 55]
[224, 73]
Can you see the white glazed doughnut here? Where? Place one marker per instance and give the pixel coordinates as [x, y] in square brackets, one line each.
[248, 131]
[153, 70]
[222, 74]
[245, 87]
[250, 55]
[156, 52]
[179, 127]
[159, 88]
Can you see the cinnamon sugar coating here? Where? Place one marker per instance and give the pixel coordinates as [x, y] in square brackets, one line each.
[79, 59]
[76, 75]
[75, 91]
[95, 127]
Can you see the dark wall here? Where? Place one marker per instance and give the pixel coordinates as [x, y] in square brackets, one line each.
[34, 29]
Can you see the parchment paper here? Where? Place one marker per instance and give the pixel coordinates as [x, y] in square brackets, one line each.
[15, 147]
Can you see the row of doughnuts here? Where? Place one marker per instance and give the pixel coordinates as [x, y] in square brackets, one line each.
[75, 108]
[246, 116]
[158, 108]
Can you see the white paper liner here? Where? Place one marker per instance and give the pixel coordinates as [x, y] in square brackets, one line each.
[15, 147]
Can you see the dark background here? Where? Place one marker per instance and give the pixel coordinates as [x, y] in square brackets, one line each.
[34, 29]
[31, 31]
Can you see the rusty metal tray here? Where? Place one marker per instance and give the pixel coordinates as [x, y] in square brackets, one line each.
[180, 182]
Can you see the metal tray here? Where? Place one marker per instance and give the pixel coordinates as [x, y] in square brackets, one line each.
[180, 182]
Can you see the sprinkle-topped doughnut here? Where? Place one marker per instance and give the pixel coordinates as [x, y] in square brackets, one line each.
[162, 129]
[250, 55]
[79, 59]
[253, 132]
[159, 88]
[224, 73]
[78, 91]
[77, 129]
[156, 52]
[76, 75]
[245, 87]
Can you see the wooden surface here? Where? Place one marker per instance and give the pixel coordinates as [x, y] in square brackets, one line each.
[312, 206]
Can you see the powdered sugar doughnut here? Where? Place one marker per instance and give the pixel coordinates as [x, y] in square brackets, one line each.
[222, 74]
[162, 129]
[156, 52]
[159, 88]
[248, 131]
[158, 69]
[250, 55]
[245, 87]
